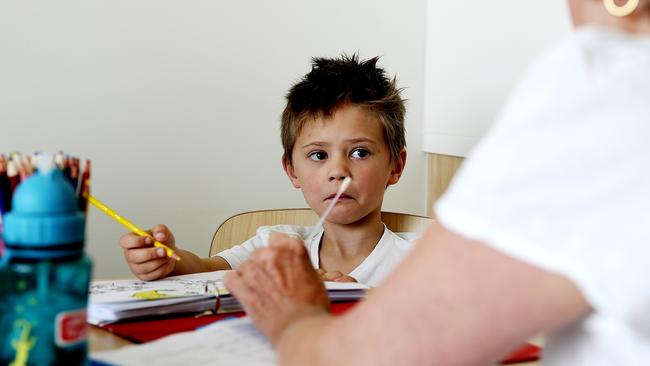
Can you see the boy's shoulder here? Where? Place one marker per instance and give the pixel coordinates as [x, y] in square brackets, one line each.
[403, 239]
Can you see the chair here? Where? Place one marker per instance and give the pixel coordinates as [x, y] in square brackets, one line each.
[240, 227]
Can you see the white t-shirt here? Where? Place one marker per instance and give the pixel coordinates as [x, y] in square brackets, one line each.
[562, 181]
[388, 252]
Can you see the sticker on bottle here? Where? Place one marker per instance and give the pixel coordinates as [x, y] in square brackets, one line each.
[70, 327]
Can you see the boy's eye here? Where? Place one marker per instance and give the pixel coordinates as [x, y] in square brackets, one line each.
[359, 153]
[318, 155]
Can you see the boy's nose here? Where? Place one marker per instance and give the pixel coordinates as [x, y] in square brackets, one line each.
[336, 177]
[338, 170]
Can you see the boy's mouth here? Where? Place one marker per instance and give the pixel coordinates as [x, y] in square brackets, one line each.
[343, 196]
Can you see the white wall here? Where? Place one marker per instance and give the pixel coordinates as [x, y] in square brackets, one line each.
[476, 50]
[177, 103]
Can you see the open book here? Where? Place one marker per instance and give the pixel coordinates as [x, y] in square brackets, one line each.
[111, 301]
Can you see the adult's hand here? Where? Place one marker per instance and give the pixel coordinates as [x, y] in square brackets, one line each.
[278, 286]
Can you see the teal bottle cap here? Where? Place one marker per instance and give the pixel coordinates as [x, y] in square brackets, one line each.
[44, 215]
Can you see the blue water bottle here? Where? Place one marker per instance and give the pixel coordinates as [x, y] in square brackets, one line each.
[44, 274]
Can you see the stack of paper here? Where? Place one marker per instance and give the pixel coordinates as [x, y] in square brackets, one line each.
[346, 291]
[231, 342]
[112, 301]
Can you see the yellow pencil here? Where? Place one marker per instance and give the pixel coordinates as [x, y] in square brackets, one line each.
[107, 210]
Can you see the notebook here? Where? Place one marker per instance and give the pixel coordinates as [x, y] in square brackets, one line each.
[111, 301]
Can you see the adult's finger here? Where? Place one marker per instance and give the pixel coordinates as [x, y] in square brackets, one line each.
[263, 286]
[240, 288]
[270, 259]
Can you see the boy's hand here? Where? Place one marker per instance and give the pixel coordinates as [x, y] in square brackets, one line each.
[278, 286]
[335, 276]
[146, 261]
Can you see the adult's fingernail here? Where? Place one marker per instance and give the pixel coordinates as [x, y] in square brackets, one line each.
[148, 240]
[160, 236]
[160, 252]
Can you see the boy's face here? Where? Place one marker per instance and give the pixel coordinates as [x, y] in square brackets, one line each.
[349, 144]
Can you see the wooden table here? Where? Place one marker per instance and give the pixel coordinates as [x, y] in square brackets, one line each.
[102, 340]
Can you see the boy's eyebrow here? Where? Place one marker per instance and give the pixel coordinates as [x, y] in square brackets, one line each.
[315, 143]
[360, 139]
[349, 141]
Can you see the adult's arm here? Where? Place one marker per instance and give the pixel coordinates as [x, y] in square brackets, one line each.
[453, 301]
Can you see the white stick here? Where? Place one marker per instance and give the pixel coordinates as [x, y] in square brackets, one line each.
[344, 185]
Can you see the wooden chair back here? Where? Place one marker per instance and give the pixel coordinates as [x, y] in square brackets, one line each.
[240, 227]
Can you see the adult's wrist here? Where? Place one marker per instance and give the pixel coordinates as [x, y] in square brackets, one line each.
[303, 337]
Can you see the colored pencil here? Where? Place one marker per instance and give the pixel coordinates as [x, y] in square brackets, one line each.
[129, 225]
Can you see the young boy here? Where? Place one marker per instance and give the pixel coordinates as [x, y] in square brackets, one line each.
[345, 118]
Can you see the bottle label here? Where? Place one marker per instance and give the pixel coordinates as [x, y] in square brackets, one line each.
[70, 327]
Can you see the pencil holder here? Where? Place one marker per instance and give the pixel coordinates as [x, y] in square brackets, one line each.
[44, 275]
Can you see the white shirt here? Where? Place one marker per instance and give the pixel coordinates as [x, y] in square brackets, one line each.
[388, 252]
[562, 181]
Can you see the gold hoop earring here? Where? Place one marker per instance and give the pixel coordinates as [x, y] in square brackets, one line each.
[621, 11]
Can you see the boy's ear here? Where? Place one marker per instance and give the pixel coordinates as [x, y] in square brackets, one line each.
[398, 168]
[288, 168]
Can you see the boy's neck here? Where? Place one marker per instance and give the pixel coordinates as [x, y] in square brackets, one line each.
[351, 241]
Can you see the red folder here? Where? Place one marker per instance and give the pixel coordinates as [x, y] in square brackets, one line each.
[140, 331]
